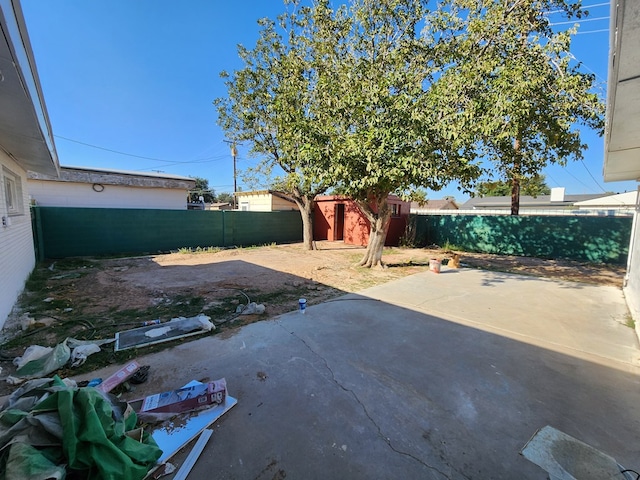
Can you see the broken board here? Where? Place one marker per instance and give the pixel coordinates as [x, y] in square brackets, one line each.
[158, 333]
[173, 435]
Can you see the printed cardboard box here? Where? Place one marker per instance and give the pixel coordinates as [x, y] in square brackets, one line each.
[186, 398]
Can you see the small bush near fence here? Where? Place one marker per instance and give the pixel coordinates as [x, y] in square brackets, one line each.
[581, 238]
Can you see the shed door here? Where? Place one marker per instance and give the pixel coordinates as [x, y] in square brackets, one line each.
[338, 226]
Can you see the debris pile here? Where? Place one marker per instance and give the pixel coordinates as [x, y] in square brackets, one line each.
[52, 428]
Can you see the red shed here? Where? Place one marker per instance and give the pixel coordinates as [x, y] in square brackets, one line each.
[339, 218]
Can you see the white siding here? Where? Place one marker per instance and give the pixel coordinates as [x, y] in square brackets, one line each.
[259, 202]
[265, 202]
[17, 257]
[71, 194]
[632, 288]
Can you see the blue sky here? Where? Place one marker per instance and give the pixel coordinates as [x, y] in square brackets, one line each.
[139, 77]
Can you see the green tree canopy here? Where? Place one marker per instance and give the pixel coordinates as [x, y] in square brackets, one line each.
[202, 190]
[511, 79]
[532, 186]
[387, 137]
[273, 104]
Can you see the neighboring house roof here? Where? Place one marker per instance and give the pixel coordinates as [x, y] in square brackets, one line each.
[25, 131]
[106, 176]
[620, 200]
[541, 201]
[275, 193]
[444, 204]
[622, 142]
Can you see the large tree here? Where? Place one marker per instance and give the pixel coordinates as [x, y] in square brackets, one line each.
[272, 104]
[511, 77]
[388, 135]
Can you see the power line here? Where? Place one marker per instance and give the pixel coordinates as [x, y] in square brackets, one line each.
[584, 7]
[578, 180]
[113, 151]
[592, 177]
[167, 163]
[593, 31]
[579, 21]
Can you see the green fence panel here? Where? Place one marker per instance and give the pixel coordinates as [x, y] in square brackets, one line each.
[65, 232]
[582, 238]
[259, 228]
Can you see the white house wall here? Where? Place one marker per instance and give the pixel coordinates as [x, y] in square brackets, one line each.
[255, 203]
[71, 194]
[17, 257]
[632, 287]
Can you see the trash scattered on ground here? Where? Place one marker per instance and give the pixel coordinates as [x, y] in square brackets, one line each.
[49, 429]
[171, 436]
[38, 362]
[141, 375]
[250, 309]
[80, 354]
[83, 348]
[189, 398]
[119, 377]
[175, 328]
[434, 265]
[164, 469]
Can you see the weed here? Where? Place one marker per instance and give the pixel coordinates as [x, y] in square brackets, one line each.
[448, 246]
[629, 321]
[190, 250]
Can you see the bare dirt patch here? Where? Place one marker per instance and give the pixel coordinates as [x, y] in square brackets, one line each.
[94, 298]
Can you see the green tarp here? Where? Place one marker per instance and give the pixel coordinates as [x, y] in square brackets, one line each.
[48, 429]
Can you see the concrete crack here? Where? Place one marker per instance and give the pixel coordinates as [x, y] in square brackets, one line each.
[366, 412]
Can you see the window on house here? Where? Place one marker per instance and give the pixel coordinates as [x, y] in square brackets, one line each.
[395, 210]
[244, 206]
[12, 192]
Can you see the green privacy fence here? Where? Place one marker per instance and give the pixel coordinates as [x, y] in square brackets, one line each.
[67, 232]
[582, 238]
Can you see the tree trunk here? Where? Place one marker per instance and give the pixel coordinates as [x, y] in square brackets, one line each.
[379, 221]
[515, 196]
[515, 180]
[306, 212]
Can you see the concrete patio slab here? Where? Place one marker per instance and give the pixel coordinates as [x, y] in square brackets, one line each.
[431, 376]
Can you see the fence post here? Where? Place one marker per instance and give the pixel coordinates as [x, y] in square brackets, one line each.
[36, 225]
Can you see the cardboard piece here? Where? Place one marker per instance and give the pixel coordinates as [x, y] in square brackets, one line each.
[187, 398]
[171, 436]
[119, 377]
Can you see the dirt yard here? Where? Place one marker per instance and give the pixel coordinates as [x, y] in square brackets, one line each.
[95, 298]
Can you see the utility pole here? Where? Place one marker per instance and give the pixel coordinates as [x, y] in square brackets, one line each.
[234, 154]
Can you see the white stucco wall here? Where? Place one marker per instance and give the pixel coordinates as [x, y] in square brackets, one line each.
[70, 194]
[17, 257]
[264, 202]
[632, 287]
[257, 202]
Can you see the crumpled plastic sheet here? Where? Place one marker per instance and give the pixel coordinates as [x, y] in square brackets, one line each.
[44, 364]
[38, 361]
[47, 424]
